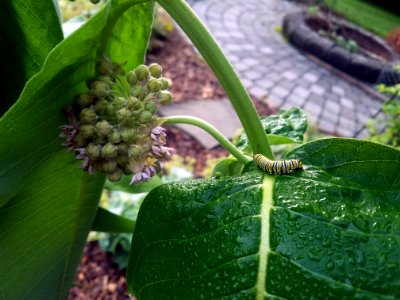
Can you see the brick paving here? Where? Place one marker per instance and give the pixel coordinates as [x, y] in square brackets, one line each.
[271, 69]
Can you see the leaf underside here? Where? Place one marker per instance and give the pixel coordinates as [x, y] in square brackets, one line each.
[330, 231]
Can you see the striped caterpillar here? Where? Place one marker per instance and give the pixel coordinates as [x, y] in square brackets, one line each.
[277, 166]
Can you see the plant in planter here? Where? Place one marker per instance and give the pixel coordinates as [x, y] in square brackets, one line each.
[341, 44]
[327, 230]
[348, 44]
[333, 31]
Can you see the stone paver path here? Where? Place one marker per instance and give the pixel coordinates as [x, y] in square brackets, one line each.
[274, 71]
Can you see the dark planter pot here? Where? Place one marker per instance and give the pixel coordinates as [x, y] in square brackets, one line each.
[302, 36]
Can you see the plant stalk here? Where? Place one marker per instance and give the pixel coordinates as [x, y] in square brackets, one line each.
[223, 70]
[212, 131]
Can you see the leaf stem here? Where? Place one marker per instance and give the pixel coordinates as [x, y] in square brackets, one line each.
[212, 131]
[223, 70]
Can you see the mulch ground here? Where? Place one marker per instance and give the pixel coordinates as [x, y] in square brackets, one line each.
[97, 277]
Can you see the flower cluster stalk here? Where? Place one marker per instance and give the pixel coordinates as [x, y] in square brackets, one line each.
[212, 131]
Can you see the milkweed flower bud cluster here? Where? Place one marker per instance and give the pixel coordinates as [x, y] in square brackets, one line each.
[113, 128]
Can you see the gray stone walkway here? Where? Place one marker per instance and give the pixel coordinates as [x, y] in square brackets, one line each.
[274, 71]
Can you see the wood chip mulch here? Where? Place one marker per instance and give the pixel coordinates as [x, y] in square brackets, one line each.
[97, 277]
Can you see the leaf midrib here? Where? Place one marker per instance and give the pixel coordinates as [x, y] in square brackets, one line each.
[268, 185]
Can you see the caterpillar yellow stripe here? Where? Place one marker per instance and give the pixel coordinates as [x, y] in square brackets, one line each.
[277, 166]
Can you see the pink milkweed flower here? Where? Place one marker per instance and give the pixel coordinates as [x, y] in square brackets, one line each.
[158, 135]
[87, 163]
[69, 132]
[161, 151]
[156, 150]
[81, 153]
[139, 177]
[150, 171]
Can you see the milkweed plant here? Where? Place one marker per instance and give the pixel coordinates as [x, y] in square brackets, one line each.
[79, 114]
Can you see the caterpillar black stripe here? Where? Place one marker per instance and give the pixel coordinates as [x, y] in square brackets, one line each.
[277, 166]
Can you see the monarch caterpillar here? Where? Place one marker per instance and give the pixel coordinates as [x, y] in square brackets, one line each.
[277, 166]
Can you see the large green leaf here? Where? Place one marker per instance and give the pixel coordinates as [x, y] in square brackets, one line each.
[43, 230]
[286, 127]
[330, 231]
[47, 202]
[29, 29]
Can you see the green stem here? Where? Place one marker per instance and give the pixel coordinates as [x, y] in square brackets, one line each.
[212, 131]
[223, 70]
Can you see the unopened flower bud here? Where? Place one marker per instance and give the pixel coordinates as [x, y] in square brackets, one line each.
[110, 110]
[135, 151]
[88, 116]
[109, 151]
[139, 93]
[80, 141]
[151, 107]
[128, 135]
[118, 69]
[165, 97]
[109, 166]
[93, 151]
[124, 114]
[126, 170]
[114, 137]
[155, 70]
[115, 176]
[99, 89]
[101, 107]
[123, 160]
[98, 165]
[165, 83]
[104, 66]
[100, 140]
[106, 79]
[133, 103]
[154, 85]
[87, 131]
[85, 100]
[104, 128]
[131, 77]
[142, 72]
[135, 165]
[122, 149]
[145, 117]
[119, 102]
